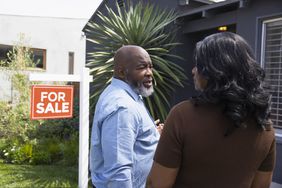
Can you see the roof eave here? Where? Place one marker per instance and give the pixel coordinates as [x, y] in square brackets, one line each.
[208, 10]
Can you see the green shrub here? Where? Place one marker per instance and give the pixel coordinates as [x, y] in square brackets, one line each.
[41, 157]
[46, 151]
[8, 149]
[23, 154]
[70, 150]
[3, 145]
[13, 151]
[55, 151]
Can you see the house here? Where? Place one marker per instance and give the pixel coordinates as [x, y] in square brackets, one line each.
[58, 44]
[258, 21]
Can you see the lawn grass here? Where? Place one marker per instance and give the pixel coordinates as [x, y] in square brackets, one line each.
[28, 176]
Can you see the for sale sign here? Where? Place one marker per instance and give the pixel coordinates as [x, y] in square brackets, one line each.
[51, 102]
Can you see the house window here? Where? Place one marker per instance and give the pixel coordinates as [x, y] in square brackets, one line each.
[4, 49]
[71, 62]
[38, 55]
[272, 63]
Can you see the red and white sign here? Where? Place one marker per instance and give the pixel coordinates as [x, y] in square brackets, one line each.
[51, 102]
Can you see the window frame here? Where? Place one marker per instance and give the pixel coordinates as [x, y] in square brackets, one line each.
[262, 62]
[43, 56]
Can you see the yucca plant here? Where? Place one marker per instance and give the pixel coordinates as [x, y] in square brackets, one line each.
[145, 26]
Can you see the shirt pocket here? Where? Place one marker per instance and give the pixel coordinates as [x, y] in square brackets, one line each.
[147, 134]
[147, 126]
[146, 130]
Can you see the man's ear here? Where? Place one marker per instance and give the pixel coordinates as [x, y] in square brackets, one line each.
[121, 72]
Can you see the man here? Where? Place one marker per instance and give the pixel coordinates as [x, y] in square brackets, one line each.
[124, 136]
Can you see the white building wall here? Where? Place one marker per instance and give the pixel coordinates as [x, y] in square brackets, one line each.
[5, 86]
[58, 36]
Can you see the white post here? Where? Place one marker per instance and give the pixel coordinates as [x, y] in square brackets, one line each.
[83, 129]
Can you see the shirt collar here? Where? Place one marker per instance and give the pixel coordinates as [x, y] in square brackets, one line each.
[126, 87]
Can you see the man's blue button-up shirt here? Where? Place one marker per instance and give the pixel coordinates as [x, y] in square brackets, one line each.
[123, 139]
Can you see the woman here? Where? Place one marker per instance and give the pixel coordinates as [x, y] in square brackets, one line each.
[222, 138]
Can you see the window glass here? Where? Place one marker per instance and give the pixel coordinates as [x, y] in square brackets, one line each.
[38, 55]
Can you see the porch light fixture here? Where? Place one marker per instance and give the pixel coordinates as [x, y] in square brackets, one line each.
[183, 2]
[222, 28]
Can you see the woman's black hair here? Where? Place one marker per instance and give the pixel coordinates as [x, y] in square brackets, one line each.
[235, 80]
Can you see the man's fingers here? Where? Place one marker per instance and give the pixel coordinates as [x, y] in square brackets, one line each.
[157, 121]
[161, 124]
[160, 127]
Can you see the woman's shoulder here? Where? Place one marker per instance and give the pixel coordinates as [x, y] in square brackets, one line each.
[192, 105]
[190, 109]
[183, 105]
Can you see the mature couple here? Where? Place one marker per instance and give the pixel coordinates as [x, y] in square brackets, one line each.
[221, 138]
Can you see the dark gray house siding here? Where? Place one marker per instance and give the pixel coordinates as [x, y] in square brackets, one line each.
[197, 20]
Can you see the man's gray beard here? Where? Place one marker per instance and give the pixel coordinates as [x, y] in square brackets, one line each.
[140, 89]
[143, 91]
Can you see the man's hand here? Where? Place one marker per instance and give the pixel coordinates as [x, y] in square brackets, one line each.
[159, 125]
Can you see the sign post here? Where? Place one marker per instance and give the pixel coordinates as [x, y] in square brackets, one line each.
[84, 78]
